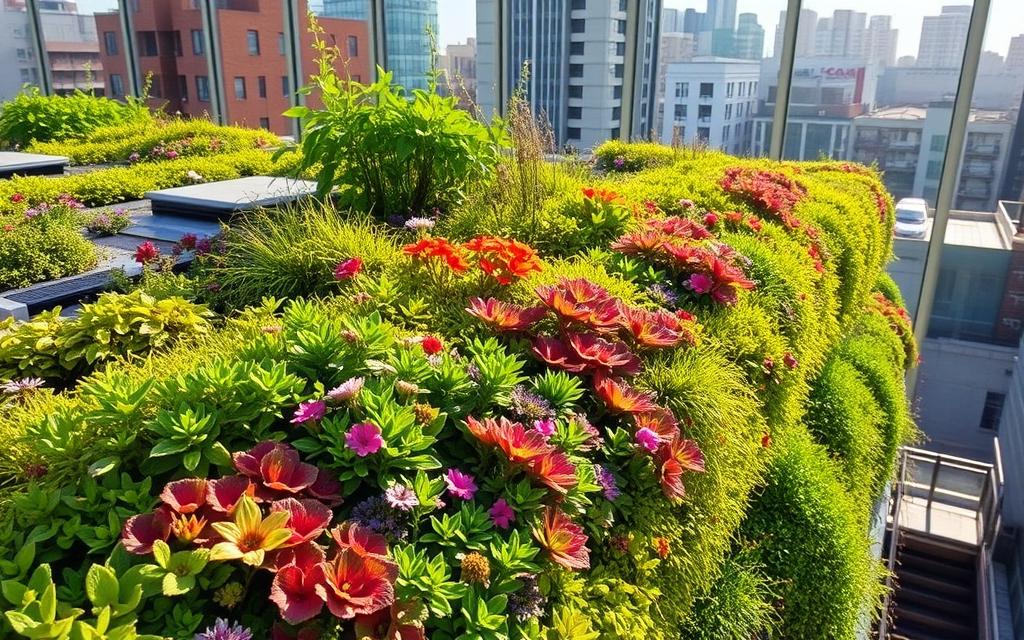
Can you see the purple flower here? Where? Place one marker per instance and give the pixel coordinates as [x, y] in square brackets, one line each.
[345, 391]
[619, 162]
[545, 427]
[662, 295]
[401, 497]
[310, 411]
[609, 489]
[460, 485]
[24, 385]
[224, 630]
[134, 157]
[647, 439]
[377, 515]
[364, 438]
[502, 514]
[529, 404]
[686, 203]
[527, 602]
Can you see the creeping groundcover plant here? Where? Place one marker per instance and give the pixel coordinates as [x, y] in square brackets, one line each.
[672, 422]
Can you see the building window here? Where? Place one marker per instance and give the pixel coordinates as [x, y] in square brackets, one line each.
[109, 43]
[156, 89]
[622, 26]
[704, 112]
[993, 411]
[622, 5]
[147, 43]
[577, 25]
[575, 113]
[707, 90]
[743, 88]
[934, 167]
[729, 89]
[682, 89]
[240, 87]
[264, 123]
[280, 43]
[576, 48]
[176, 43]
[197, 42]
[353, 46]
[616, 113]
[680, 111]
[619, 70]
[575, 91]
[202, 89]
[116, 85]
[183, 88]
[575, 70]
[703, 134]
[725, 133]
[572, 133]
[615, 133]
[579, 4]
[252, 41]
[620, 48]
[286, 88]
[617, 92]
[938, 143]
[261, 86]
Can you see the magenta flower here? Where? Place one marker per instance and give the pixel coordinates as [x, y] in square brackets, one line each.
[310, 411]
[460, 485]
[701, 283]
[347, 269]
[364, 438]
[401, 497]
[345, 391]
[502, 514]
[545, 427]
[647, 439]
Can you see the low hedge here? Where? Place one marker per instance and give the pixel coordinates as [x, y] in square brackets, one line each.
[43, 247]
[766, 534]
[156, 141]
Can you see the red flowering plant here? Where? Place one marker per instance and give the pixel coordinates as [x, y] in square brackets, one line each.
[499, 261]
[772, 192]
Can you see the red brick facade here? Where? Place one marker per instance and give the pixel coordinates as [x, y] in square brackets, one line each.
[170, 45]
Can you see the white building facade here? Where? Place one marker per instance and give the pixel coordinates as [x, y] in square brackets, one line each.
[711, 101]
[943, 38]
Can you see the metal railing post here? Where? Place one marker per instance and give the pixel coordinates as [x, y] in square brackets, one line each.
[129, 48]
[211, 35]
[786, 61]
[35, 28]
[293, 28]
[947, 182]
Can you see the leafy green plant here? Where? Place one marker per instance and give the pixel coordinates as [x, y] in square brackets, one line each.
[33, 116]
[42, 243]
[390, 153]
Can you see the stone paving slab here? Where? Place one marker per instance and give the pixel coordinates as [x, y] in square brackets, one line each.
[30, 164]
[222, 198]
[170, 228]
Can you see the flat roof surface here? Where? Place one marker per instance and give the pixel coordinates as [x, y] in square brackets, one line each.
[967, 229]
[21, 160]
[240, 193]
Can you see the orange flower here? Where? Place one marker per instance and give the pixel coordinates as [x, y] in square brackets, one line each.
[606, 196]
[563, 539]
[502, 316]
[622, 398]
[553, 469]
[430, 247]
[503, 259]
[580, 300]
[672, 459]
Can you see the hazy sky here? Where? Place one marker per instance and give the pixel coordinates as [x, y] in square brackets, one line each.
[457, 18]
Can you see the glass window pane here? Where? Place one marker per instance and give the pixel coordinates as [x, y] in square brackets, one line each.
[79, 40]
[711, 61]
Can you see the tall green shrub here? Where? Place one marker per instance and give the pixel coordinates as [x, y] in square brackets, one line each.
[31, 116]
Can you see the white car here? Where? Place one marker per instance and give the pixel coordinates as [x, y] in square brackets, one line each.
[911, 218]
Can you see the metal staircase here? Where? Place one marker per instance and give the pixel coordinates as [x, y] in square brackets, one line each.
[943, 520]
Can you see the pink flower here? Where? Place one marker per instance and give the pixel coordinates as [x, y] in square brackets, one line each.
[711, 219]
[310, 411]
[401, 497]
[146, 252]
[701, 283]
[545, 427]
[348, 269]
[364, 438]
[460, 485]
[345, 391]
[141, 531]
[17, 197]
[789, 360]
[647, 439]
[431, 345]
[502, 514]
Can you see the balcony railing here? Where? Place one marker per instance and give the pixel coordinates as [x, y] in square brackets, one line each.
[984, 171]
[982, 149]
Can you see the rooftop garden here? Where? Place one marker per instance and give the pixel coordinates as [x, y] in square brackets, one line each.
[466, 393]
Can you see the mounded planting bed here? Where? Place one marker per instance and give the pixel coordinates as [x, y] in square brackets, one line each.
[652, 397]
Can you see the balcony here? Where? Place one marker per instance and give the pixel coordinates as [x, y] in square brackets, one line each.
[978, 171]
[901, 165]
[904, 144]
[982, 150]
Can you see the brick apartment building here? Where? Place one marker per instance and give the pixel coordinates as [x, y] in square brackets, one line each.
[170, 45]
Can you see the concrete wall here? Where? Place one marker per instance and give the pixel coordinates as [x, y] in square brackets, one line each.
[908, 269]
[952, 382]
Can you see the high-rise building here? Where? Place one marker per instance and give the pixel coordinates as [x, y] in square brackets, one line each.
[576, 60]
[721, 14]
[710, 101]
[943, 38]
[880, 43]
[693, 21]
[848, 33]
[407, 28]
[673, 47]
[805, 33]
[72, 48]
[823, 37]
[1015, 55]
[991, 63]
[458, 64]
[257, 87]
[748, 43]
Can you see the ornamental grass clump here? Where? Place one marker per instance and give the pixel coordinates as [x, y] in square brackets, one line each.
[670, 419]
